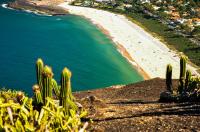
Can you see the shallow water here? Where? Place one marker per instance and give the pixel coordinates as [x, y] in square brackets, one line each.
[61, 41]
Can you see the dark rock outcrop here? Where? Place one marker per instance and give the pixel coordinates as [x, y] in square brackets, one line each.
[41, 9]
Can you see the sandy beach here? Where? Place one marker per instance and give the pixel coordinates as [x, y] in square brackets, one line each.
[145, 52]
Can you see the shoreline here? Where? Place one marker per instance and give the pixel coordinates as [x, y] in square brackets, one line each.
[146, 53]
[6, 6]
[123, 52]
[37, 8]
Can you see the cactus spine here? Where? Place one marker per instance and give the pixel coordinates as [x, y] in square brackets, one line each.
[39, 70]
[37, 94]
[169, 78]
[47, 76]
[65, 92]
[182, 73]
[187, 79]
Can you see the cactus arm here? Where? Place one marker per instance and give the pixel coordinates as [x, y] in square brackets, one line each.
[37, 94]
[39, 70]
[182, 73]
[47, 83]
[169, 78]
[56, 88]
[65, 92]
[182, 67]
[187, 79]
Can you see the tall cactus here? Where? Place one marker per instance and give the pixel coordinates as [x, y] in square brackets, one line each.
[47, 76]
[182, 73]
[187, 79]
[39, 70]
[169, 78]
[37, 94]
[65, 92]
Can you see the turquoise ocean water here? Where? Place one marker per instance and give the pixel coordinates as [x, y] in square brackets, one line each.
[61, 41]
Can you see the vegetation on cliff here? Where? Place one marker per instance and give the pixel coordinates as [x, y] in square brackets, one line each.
[53, 108]
[188, 88]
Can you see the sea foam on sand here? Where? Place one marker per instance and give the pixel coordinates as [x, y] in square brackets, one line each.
[150, 54]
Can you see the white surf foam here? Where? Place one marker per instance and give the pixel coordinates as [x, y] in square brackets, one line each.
[28, 11]
[36, 13]
[6, 6]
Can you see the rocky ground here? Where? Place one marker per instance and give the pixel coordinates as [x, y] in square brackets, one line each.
[42, 7]
[135, 107]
